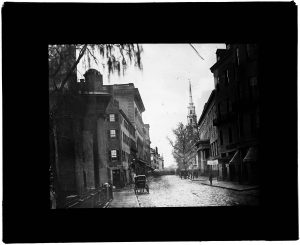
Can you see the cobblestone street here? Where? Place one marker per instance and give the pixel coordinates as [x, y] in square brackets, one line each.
[171, 191]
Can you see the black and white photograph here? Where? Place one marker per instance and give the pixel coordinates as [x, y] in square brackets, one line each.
[149, 122]
[154, 125]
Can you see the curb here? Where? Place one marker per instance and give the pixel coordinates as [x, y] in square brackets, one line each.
[107, 204]
[246, 189]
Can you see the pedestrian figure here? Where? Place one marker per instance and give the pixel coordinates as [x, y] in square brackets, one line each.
[210, 179]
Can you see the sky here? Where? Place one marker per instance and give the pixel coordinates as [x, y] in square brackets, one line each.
[164, 87]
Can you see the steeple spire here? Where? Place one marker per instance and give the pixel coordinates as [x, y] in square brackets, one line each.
[192, 117]
[191, 99]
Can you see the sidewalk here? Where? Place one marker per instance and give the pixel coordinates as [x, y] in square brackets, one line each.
[124, 198]
[226, 184]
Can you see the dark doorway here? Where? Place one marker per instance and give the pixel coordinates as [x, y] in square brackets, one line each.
[84, 180]
[116, 178]
[232, 172]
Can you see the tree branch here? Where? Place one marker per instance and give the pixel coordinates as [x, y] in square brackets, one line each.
[95, 59]
[82, 52]
[196, 51]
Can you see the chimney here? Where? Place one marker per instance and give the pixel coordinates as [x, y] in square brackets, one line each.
[156, 150]
[94, 80]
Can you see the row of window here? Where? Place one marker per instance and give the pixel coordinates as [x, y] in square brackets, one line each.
[228, 107]
[126, 139]
[227, 76]
[214, 148]
[229, 136]
[130, 128]
[254, 125]
[114, 155]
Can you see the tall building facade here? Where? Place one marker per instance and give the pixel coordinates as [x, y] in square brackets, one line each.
[131, 104]
[119, 132]
[207, 146]
[236, 78]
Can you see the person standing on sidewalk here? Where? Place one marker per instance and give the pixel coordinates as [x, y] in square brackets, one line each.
[210, 178]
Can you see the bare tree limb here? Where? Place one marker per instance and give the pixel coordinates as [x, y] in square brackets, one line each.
[196, 51]
[82, 52]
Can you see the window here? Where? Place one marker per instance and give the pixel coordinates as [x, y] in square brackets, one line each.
[112, 118]
[219, 109]
[241, 126]
[229, 105]
[112, 133]
[230, 135]
[253, 91]
[191, 121]
[113, 154]
[257, 118]
[221, 137]
[228, 75]
[253, 124]
[251, 50]
[238, 56]
[191, 112]
[123, 156]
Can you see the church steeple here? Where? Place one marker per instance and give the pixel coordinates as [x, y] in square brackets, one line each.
[191, 99]
[192, 117]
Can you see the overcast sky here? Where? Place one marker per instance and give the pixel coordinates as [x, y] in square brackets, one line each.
[164, 87]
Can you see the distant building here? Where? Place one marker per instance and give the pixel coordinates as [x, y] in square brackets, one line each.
[236, 79]
[160, 162]
[154, 158]
[157, 160]
[207, 146]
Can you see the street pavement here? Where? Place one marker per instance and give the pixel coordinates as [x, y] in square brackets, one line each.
[171, 191]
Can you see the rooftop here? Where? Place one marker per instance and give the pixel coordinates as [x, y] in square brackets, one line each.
[206, 106]
[129, 87]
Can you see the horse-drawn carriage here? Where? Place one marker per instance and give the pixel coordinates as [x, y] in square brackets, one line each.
[140, 183]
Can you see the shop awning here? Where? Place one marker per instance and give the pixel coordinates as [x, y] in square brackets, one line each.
[141, 161]
[251, 155]
[224, 159]
[236, 159]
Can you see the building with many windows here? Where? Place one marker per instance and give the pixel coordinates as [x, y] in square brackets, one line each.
[120, 134]
[236, 79]
[157, 160]
[207, 146]
[131, 105]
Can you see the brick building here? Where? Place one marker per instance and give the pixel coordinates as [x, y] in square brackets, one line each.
[207, 147]
[119, 132]
[131, 105]
[236, 79]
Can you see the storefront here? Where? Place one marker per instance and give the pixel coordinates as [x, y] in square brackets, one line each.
[251, 163]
